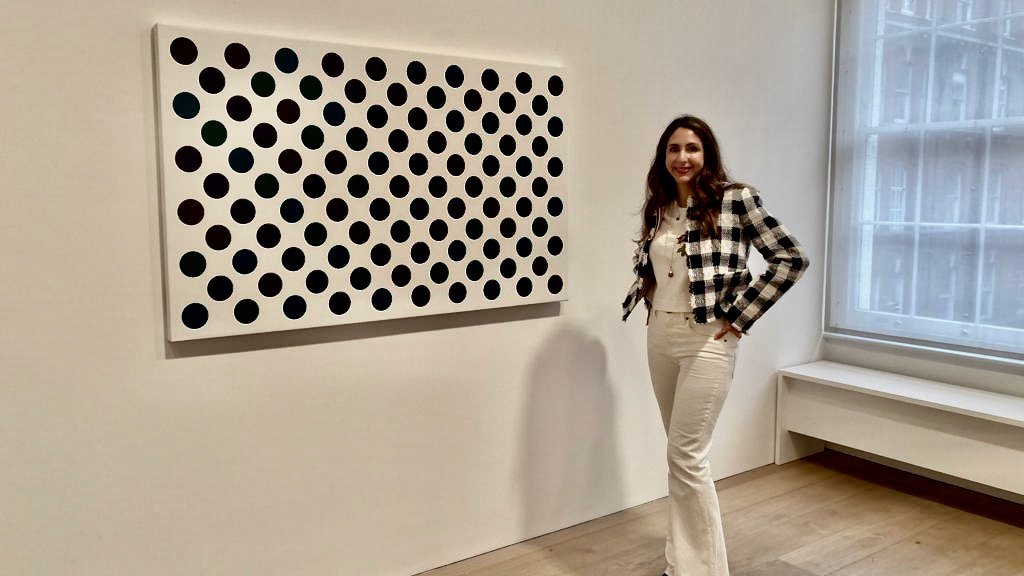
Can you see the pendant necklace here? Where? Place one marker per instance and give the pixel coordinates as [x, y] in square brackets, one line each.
[670, 247]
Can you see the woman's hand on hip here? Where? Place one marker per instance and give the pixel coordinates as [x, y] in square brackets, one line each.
[727, 328]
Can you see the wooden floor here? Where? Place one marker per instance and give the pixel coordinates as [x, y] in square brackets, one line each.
[827, 514]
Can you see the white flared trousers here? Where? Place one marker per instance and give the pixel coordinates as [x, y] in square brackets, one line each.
[691, 373]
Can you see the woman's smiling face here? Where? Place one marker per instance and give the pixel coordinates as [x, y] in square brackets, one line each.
[684, 156]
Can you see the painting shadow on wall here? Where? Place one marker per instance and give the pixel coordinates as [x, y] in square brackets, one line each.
[568, 456]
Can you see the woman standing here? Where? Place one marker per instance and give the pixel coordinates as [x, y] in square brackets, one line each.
[691, 273]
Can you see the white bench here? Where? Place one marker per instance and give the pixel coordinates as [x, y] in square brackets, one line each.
[956, 431]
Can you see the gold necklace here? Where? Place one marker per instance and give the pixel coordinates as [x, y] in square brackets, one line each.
[671, 246]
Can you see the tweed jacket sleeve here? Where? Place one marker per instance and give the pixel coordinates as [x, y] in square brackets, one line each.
[786, 260]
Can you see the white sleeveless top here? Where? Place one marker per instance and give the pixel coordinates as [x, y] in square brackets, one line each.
[672, 283]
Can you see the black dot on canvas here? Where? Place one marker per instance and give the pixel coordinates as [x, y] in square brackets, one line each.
[246, 311]
[492, 249]
[312, 137]
[335, 162]
[539, 187]
[195, 316]
[398, 140]
[220, 288]
[439, 273]
[507, 268]
[524, 247]
[555, 126]
[555, 166]
[264, 135]
[555, 246]
[218, 237]
[240, 160]
[555, 284]
[268, 236]
[540, 266]
[286, 60]
[380, 254]
[523, 124]
[524, 83]
[507, 186]
[420, 252]
[263, 84]
[378, 163]
[211, 80]
[421, 296]
[360, 278]
[293, 259]
[492, 289]
[288, 111]
[334, 113]
[310, 88]
[524, 207]
[419, 208]
[380, 209]
[376, 69]
[454, 76]
[243, 211]
[355, 91]
[457, 292]
[491, 207]
[236, 55]
[338, 256]
[555, 206]
[417, 118]
[540, 105]
[507, 145]
[540, 227]
[416, 72]
[337, 209]
[291, 210]
[473, 144]
[184, 51]
[474, 270]
[401, 276]
[192, 264]
[474, 186]
[418, 164]
[266, 186]
[340, 303]
[437, 186]
[399, 186]
[455, 121]
[186, 105]
[507, 102]
[508, 227]
[188, 159]
[524, 166]
[359, 233]
[216, 185]
[472, 100]
[190, 212]
[491, 165]
[332, 64]
[239, 108]
[377, 116]
[456, 165]
[474, 229]
[294, 307]
[316, 281]
[315, 234]
[555, 86]
[244, 261]
[457, 251]
[524, 287]
[490, 123]
[437, 142]
[270, 284]
[400, 231]
[436, 97]
[489, 79]
[438, 230]
[540, 146]
[356, 139]
[381, 299]
[397, 94]
[314, 185]
[456, 208]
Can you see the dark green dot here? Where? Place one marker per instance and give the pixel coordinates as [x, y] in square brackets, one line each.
[214, 133]
[311, 88]
[312, 137]
[263, 84]
[267, 185]
[186, 105]
[192, 264]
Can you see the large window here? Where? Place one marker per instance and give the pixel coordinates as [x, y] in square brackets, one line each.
[927, 231]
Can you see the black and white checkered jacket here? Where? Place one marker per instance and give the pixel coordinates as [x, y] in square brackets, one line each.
[721, 286]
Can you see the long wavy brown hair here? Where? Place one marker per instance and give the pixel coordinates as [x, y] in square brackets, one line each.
[708, 185]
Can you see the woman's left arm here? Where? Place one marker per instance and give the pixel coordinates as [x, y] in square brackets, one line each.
[787, 260]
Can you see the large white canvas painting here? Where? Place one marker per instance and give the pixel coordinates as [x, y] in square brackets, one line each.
[307, 183]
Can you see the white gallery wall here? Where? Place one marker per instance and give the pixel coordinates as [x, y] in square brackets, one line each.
[386, 448]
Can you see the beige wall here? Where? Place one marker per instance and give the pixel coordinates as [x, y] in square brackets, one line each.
[382, 449]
